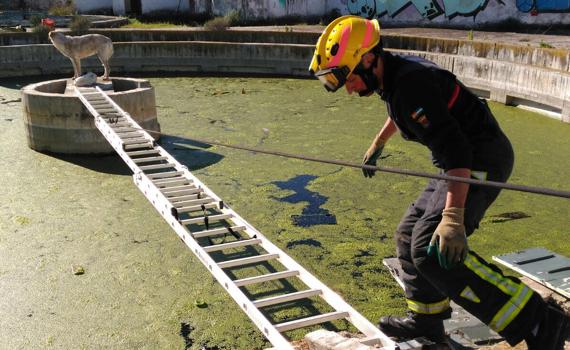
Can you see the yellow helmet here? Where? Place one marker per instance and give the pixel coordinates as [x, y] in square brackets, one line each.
[340, 48]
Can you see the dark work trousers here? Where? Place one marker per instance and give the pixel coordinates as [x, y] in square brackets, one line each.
[504, 303]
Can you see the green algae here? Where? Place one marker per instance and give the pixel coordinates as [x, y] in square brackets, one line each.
[22, 220]
[143, 283]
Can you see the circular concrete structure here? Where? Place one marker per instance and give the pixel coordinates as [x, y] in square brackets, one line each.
[506, 73]
[57, 121]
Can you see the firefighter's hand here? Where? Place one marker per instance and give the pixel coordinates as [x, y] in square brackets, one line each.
[449, 240]
[370, 158]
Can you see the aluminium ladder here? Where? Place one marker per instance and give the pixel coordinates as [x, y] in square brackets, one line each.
[186, 203]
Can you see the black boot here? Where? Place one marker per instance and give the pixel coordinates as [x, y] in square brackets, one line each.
[552, 330]
[413, 326]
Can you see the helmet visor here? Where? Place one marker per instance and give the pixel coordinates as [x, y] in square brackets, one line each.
[333, 78]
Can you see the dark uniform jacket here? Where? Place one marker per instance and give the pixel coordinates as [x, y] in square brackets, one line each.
[419, 95]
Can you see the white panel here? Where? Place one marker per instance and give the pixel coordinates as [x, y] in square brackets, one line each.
[90, 5]
[119, 7]
[156, 5]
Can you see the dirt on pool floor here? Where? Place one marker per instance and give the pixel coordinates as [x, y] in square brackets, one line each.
[143, 289]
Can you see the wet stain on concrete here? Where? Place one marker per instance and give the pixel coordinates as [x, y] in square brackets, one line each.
[185, 330]
[504, 217]
[312, 214]
[309, 242]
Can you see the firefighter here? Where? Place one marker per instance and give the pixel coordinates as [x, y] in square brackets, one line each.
[427, 104]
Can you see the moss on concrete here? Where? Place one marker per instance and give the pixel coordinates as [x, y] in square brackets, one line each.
[141, 284]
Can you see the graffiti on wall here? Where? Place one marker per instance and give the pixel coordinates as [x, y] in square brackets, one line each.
[543, 5]
[426, 8]
[431, 9]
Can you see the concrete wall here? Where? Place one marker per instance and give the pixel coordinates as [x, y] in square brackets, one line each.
[464, 14]
[548, 58]
[502, 81]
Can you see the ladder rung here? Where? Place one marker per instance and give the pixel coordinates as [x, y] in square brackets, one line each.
[184, 198]
[142, 153]
[101, 103]
[287, 297]
[182, 193]
[138, 145]
[217, 231]
[115, 121]
[149, 159]
[105, 110]
[157, 166]
[130, 135]
[309, 321]
[247, 261]
[164, 175]
[197, 208]
[176, 188]
[135, 141]
[202, 220]
[121, 124]
[122, 127]
[236, 244]
[184, 204]
[265, 278]
[172, 179]
[177, 181]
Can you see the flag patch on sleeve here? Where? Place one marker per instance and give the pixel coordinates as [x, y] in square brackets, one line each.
[419, 116]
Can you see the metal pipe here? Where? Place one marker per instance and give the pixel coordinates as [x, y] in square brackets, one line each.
[495, 184]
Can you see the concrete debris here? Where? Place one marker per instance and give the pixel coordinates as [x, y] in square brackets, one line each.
[87, 79]
[327, 340]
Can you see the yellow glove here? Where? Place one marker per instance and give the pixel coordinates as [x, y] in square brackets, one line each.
[451, 247]
[371, 156]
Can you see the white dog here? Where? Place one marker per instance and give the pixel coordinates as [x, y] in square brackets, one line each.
[78, 47]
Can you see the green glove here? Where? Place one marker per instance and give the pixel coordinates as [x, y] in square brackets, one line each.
[449, 240]
[370, 158]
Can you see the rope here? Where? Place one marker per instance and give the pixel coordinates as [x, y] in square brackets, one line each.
[495, 184]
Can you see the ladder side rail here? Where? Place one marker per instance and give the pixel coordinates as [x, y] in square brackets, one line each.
[125, 115]
[165, 209]
[110, 135]
[115, 142]
[331, 297]
[114, 139]
[147, 135]
[160, 202]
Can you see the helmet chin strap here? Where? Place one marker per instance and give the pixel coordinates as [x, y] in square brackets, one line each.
[368, 77]
[371, 83]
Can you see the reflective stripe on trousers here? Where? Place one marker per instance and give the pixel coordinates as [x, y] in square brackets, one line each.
[428, 309]
[519, 293]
